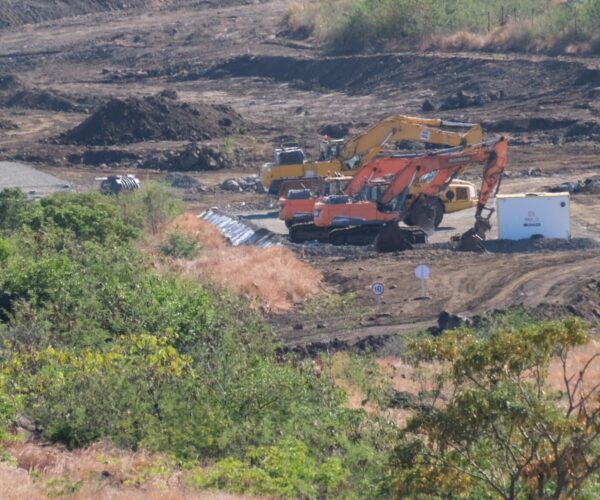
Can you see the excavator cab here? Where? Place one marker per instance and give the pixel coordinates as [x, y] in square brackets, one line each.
[330, 148]
[289, 154]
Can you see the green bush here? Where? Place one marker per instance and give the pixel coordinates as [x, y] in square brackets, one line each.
[180, 246]
[286, 470]
[15, 209]
[99, 347]
[149, 207]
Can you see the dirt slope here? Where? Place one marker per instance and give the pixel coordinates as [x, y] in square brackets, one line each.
[17, 12]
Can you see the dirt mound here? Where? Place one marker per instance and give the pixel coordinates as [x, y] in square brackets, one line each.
[17, 93]
[465, 99]
[362, 74]
[7, 125]
[152, 118]
[181, 181]
[589, 130]
[528, 124]
[40, 99]
[12, 82]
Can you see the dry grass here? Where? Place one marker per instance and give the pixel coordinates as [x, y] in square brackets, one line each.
[576, 361]
[514, 37]
[272, 278]
[98, 472]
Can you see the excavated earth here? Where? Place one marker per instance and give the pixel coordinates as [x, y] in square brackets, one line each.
[88, 89]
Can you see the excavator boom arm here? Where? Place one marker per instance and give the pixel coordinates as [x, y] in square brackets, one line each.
[446, 167]
[366, 145]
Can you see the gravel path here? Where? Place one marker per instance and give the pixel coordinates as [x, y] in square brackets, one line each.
[30, 180]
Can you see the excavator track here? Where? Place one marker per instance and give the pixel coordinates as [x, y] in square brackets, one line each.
[354, 235]
[394, 238]
[308, 231]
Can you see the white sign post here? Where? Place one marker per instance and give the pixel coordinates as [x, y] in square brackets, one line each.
[422, 272]
[378, 289]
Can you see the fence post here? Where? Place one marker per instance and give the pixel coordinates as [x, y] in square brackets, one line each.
[489, 22]
[502, 15]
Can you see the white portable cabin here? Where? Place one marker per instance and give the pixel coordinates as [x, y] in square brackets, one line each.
[522, 216]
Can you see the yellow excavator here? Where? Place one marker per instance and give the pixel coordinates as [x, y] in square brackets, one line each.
[346, 157]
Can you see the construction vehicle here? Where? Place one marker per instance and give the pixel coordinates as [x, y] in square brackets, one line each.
[298, 206]
[376, 216]
[346, 157]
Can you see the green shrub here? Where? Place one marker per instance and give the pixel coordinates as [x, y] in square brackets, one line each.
[286, 470]
[15, 209]
[180, 246]
[149, 207]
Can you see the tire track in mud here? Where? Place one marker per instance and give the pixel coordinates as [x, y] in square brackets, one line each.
[553, 279]
[466, 284]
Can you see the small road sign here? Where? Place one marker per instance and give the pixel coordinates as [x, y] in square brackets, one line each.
[422, 272]
[377, 289]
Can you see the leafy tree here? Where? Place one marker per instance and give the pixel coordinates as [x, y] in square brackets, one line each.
[496, 427]
[15, 209]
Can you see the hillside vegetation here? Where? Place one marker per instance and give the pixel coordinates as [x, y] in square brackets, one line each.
[97, 346]
[530, 25]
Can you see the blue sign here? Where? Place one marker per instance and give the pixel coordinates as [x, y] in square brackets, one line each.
[377, 288]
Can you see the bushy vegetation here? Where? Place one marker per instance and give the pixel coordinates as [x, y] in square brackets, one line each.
[497, 426]
[355, 25]
[96, 346]
[180, 246]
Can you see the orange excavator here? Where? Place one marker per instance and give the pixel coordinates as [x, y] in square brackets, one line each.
[296, 209]
[376, 216]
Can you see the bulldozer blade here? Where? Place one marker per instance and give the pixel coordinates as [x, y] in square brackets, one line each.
[392, 239]
[471, 243]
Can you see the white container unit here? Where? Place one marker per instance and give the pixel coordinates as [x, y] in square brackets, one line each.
[522, 216]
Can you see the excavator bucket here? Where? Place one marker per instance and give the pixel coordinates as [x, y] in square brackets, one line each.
[393, 238]
[472, 240]
[471, 243]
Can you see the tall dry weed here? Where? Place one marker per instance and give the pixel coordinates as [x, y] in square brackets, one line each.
[271, 278]
[97, 472]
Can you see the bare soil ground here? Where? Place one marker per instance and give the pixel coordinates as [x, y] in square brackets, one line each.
[233, 53]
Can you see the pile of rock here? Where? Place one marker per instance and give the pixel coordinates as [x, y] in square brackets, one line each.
[532, 172]
[587, 186]
[250, 183]
[182, 181]
[464, 99]
[192, 159]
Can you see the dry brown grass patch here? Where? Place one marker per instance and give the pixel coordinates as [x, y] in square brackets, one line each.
[272, 278]
[99, 472]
